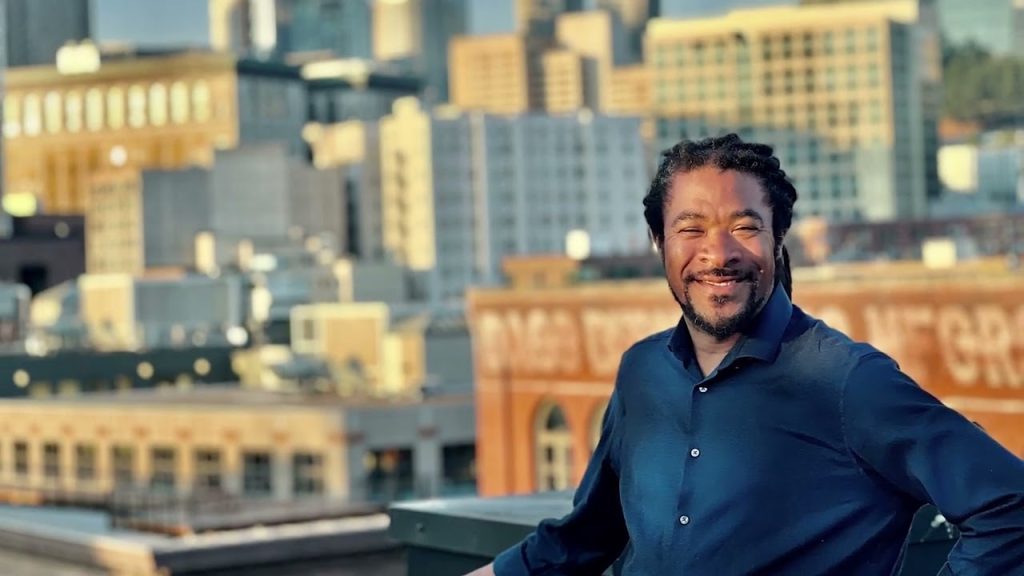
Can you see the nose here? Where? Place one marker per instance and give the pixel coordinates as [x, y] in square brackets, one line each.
[720, 250]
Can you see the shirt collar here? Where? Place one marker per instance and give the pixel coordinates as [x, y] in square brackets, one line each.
[761, 340]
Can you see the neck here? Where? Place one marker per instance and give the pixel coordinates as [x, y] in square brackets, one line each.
[709, 350]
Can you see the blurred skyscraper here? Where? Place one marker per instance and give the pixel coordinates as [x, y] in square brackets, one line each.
[844, 93]
[505, 185]
[343, 27]
[418, 32]
[38, 28]
[5, 219]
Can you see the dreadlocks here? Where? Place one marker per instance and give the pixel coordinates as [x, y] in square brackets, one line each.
[727, 152]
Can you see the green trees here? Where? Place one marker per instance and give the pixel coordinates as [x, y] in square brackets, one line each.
[983, 88]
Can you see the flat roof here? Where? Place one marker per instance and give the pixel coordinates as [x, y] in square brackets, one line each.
[232, 394]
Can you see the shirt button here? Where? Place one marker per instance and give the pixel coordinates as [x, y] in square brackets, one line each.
[694, 452]
[703, 389]
[684, 520]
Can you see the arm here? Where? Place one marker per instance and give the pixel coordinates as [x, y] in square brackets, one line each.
[590, 537]
[933, 454]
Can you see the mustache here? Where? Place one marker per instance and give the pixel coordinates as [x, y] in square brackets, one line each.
[715, 273]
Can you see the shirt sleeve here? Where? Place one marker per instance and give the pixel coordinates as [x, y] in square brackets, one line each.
[933, 454]
[592, 536]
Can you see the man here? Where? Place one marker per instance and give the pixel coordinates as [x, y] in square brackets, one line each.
[753, 438]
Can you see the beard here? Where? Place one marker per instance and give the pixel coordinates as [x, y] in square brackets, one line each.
[722, 327]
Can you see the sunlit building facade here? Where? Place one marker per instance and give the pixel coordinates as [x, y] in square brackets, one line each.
[845, 93]
[62, 125]
[463, 190]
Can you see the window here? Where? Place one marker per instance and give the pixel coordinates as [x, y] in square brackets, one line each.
[115, 108]
[307, 473]
[257, 474]
[137, 106]
[12, 116]
[553, 454]
[459, 469]
[123, 462]
[33, 115]
[201, 101]
[163, 462]
[158, 104]
[389, 471]
[85, 462]
[21, 459]
[73, 111]
[179, 103]
[94, 110]
[51, 461]
[54, 115]
[208, 470]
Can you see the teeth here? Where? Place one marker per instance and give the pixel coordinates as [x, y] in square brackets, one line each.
[726, 283]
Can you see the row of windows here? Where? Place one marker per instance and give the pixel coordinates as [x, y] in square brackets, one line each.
[96, 109]
[257, 474]
[786, 46]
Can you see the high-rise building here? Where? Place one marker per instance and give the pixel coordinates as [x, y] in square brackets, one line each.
[147, 112]
[354, 148]
[492, 73]
[568, 70]
[5, 218]
[419, 32]
[634, 15]
[596, 37]
[536, 18]
[463, 190]
[341, 27]
[246, 28]
[840, 91]
[38, 28]
[202, 218]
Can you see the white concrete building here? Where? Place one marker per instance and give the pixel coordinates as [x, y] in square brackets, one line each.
[460, 191]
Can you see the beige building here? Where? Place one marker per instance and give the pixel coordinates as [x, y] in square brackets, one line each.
[564, 76]
[366, 351]
[490, 73]
[838, 90]
[93, 113]
[592, 36]
[407, 193]
[630, 91]
[236, 443]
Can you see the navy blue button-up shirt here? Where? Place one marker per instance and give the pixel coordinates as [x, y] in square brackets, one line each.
[803, 453]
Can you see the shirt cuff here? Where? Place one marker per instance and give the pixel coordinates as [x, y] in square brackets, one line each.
[511, 562]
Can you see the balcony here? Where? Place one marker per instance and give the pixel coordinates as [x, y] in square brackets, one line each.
[454, 536]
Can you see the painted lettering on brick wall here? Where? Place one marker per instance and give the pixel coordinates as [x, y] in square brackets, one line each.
[968, 346]
[561, 342]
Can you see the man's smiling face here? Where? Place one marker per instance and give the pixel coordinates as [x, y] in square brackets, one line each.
[719, 249]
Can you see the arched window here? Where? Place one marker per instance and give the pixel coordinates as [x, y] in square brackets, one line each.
[158, 104]
[73, 111]
[179, 103]
[553, 449]
[53, 112]
[12, 116]
[201, 101]
[115, 108]
[137, 106]
[94, 110]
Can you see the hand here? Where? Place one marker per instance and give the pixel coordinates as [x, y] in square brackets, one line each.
[483, 571]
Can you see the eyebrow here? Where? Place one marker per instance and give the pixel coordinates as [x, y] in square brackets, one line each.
[745, 213]
[688, 216]
[748, 213]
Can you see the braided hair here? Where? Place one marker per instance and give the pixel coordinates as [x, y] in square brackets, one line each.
[728, 152]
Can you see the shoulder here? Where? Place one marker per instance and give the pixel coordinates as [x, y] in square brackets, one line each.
[815, 342]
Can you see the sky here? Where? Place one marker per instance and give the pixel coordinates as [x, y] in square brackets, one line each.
[186, 22]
